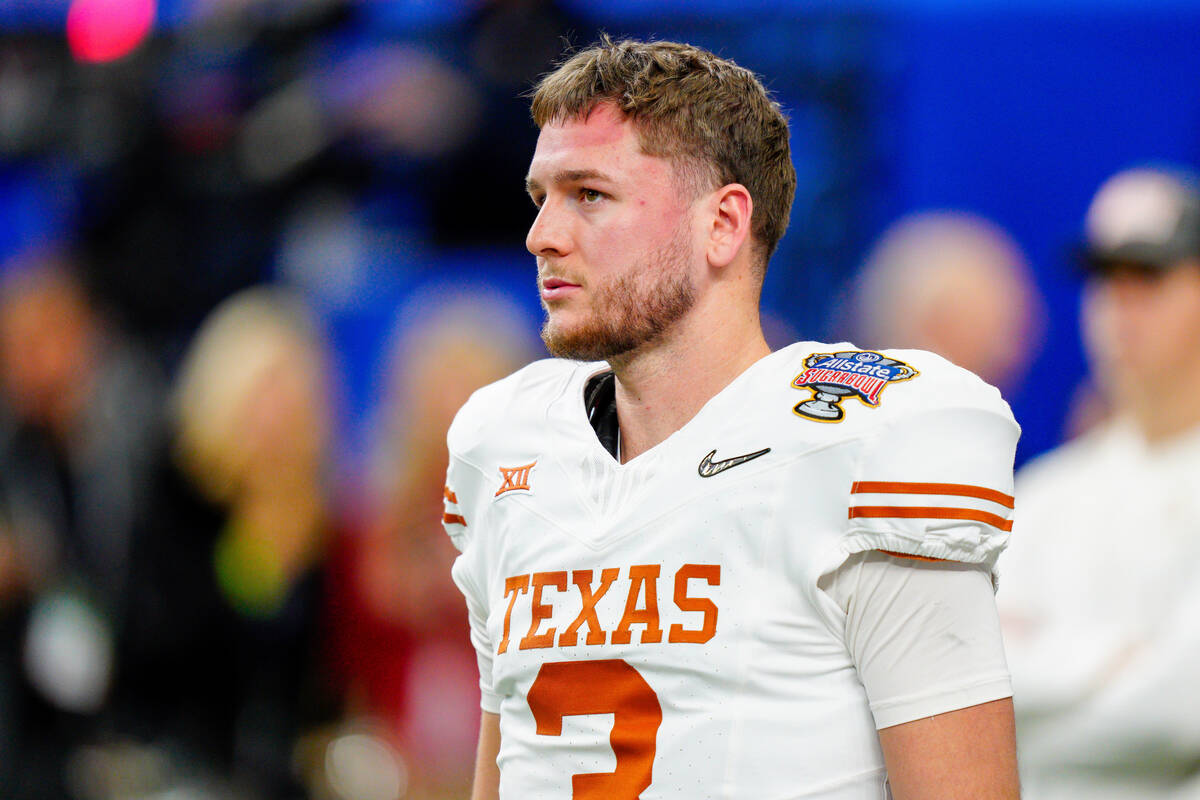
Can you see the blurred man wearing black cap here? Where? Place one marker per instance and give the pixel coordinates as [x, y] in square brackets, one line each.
[1141, 318]
[1101, 595]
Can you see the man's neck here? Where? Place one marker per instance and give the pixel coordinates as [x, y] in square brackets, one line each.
[660, 388]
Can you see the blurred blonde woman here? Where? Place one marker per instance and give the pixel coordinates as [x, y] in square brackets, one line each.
[252, 407]
[239, 569]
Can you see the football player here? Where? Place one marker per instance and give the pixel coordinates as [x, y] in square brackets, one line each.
[696, 568]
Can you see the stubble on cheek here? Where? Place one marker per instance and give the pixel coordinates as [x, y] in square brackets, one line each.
[629, 312]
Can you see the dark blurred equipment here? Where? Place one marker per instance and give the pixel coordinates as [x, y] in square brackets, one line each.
[173, 221]
[504, 47]
[195, 150]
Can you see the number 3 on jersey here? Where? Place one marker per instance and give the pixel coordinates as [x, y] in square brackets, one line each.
[611, 686]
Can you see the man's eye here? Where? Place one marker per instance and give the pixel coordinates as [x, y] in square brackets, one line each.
[590, 195]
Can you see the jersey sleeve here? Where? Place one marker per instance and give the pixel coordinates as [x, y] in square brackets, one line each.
[464, 480]
[477, 612]
[924, 635]
[461, 517]
[452, 516]
[936, 483]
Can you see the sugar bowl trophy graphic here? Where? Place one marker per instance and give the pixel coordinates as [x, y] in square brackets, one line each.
[851, 373]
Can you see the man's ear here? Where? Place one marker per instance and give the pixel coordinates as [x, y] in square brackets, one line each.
[731, 208]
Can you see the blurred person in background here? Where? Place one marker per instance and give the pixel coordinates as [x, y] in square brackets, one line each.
[401, 628]
[956, 284]
[79, 423]
[1100, 594]
[221, 672]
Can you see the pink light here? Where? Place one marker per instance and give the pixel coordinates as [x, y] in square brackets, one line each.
[106, 30]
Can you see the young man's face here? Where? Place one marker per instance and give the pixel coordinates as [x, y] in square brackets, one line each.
[1142, 327]
[613, 237]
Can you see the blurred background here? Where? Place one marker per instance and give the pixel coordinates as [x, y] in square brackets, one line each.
[255, 253]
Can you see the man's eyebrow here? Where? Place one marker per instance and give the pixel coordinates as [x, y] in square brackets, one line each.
[568, 176]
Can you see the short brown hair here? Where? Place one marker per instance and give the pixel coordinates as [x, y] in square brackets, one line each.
[714, 119]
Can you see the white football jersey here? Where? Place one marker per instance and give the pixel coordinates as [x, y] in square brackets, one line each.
[655, 629]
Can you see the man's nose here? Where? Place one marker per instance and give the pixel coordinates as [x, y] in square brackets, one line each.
[548, 235]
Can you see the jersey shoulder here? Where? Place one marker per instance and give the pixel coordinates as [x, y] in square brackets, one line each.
[503, 423]
[930, 472]
[848, 384]
[513, 408]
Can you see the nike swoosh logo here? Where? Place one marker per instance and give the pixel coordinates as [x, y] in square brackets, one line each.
[708, 467]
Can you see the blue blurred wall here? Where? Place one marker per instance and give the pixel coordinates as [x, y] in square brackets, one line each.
[1019, 113]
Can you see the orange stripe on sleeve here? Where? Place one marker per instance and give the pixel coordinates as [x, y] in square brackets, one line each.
[931, 512]
[451, 496]
[455, 518]
[911, 556]
[952, 489]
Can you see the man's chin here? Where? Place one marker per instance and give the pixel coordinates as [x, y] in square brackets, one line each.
[579, 344]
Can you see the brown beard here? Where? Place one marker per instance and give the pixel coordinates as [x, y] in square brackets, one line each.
[630, 312]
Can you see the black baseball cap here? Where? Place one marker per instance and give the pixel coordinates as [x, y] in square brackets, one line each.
[1146, 217]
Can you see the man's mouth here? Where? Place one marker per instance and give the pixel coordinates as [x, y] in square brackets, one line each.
[555, 288]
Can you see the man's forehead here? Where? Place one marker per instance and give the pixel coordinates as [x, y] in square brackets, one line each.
[603, 134]
[603, 123]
